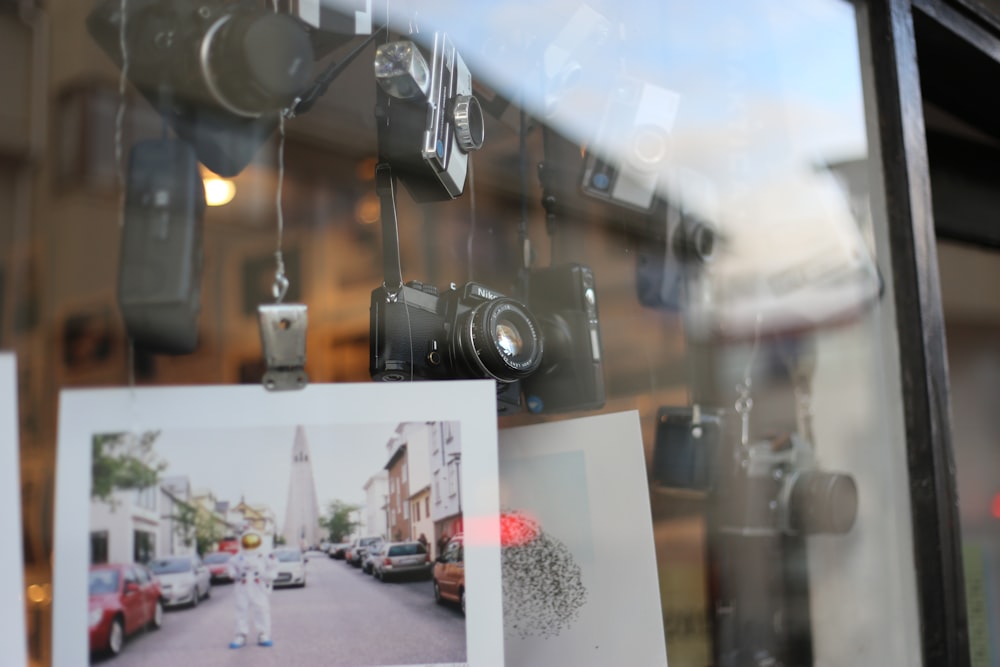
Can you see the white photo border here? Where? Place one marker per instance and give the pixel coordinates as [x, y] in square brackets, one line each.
[12, 599]
[83, 413]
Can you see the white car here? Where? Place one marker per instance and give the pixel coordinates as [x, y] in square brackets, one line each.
[184, 580]
[291, 568]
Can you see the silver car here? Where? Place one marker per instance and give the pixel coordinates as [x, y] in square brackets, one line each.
[397, 559]
[184, 580]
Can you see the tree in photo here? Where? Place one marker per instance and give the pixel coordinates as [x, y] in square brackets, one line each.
[337, 520]
[198, 526]
[123, 461]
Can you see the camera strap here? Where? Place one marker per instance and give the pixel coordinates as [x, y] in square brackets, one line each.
[385, 188]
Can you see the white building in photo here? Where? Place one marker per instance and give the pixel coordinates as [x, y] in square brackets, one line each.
[445, 444]
[126, 529]
[374, 518]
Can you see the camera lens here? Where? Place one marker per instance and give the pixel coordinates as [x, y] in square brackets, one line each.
[500, 339]
[254, 63]
[823, 502]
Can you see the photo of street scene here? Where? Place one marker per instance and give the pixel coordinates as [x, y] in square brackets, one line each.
[331, 544]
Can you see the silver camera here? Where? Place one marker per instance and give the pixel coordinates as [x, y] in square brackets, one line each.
[429, 119]
[624, 162]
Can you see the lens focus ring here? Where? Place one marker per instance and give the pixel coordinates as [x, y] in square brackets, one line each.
[499, 339]
[470, 131]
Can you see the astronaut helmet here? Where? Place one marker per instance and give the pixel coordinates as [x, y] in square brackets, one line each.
[251, 540]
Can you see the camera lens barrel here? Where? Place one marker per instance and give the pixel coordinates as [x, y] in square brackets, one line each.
[500, 339]
[255, 63]
[822, 503]
[470, 126]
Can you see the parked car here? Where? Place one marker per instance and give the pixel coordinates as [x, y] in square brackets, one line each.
[337, 551]
[183, 579]
[355, 554]
[218, 566]
[291, 568]
[372, 553]
[123, 600]
[449, 574]
[396, 559]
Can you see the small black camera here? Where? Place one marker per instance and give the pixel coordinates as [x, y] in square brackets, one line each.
[218, 72]
[159, 279]
[472, 332]
[687, 444]
[429, 119]
[571, 374]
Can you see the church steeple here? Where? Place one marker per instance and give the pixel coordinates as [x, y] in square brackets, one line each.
[301, 526]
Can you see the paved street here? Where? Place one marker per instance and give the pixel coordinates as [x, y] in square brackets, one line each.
[342, 617]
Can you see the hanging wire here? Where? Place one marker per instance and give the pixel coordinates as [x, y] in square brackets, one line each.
[472, 221]
[120, 113]
[280, 287]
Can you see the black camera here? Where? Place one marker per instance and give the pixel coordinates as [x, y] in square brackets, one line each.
[159, 280]
[467, 333]
[429, 119]
[218, 72]
[687, 444]
[571, 374]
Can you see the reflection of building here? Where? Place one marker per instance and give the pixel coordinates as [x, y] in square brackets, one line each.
[301, 527]
[399, 494]
[446, 477]
[125, 529]
[376, 519]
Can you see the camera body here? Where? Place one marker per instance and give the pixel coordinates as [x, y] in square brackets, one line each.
[630, 147]
[571, 374]
[686, 447]
[219, 73]
[429, 119]
[159, 280]
[670, 261]
[768, 487]
[472, 332]
[782, 492]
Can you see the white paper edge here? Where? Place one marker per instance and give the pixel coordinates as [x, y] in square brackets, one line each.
[85, 412]
[14, 635]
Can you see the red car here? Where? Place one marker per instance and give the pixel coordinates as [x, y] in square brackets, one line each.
[218, 565]
[123, 599]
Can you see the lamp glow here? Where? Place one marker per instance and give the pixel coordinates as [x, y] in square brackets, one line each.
[218, 191]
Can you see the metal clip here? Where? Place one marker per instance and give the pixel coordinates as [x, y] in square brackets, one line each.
[283, 337]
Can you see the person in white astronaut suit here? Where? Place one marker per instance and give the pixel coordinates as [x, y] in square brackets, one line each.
[253, 570]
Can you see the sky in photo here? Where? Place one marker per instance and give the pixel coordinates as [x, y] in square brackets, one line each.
[254, 464]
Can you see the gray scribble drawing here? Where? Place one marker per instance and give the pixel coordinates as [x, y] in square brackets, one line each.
[542, 588]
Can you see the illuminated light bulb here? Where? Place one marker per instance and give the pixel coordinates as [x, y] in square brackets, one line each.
[368, 209]
[218, 191]
[37, 594]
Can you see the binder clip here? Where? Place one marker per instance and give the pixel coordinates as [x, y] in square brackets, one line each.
[283, 337]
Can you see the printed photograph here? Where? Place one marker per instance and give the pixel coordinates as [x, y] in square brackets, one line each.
[578, 545]
[336, 543]
[300, 544]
